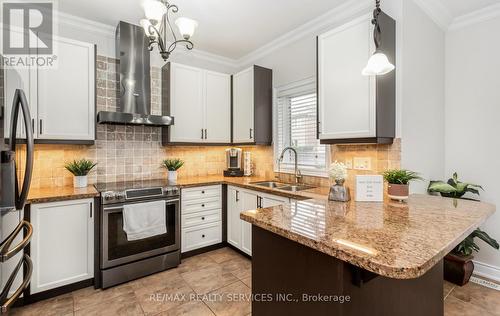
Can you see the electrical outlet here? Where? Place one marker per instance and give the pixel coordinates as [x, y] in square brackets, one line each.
[348, 163]
[362, 163]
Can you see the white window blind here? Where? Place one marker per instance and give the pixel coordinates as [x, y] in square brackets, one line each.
[295, 126]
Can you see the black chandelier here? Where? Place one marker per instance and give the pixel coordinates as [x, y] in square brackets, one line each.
[157, 26]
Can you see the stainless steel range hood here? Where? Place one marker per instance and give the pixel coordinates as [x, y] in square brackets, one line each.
[134, 103]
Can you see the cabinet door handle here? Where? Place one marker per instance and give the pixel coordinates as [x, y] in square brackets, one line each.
[203, 205]
[33, 125]
[203, 218]
[202, 133]
[206, 133]
[237, 196]
[202, 236]
[91, 210]
[202, 192]
[41, 127]
[251, 130]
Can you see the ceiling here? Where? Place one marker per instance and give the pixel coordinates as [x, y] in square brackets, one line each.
[230, 28]
[460, 7]
[235, 28]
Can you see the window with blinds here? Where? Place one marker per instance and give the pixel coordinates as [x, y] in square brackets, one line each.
[295, 126]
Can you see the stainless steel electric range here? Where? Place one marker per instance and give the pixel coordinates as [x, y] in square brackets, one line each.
[121, 260]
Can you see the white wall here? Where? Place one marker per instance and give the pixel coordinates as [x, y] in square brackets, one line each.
[422, 110]
[473, 119]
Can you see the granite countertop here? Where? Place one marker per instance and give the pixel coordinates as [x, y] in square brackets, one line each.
[52, 194]
[392, 239]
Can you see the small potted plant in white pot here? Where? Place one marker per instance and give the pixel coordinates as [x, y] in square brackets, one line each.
[338, 174]
[80, 169]
[172, 165]
[398, 183]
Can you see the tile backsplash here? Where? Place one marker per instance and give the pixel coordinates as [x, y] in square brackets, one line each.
[135, 152]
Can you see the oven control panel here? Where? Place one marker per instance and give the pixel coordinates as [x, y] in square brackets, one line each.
[109, 197]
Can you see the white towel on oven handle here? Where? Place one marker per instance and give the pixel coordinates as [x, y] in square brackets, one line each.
[144, 220]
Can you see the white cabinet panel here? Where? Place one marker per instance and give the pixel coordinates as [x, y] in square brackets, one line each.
[239, 232]
[62, 248]
[186, 104]
[249, 203]
[233, 216]
[217, 107]
[243, 106]
[17, 79]
[347, 105]
[65, 94]
[201, 236]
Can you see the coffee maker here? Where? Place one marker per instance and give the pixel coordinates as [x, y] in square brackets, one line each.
[233, 163]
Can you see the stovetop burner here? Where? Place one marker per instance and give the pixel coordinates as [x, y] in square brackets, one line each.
[117, 192]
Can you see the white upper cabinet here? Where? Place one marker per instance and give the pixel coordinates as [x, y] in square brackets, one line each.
[253, 106]
[217, 107]
[66, 96]
[353, 108]
[243, 106]
[61, 99]
[200, 102]
[186, 106]
[346, 98]
[17, 79]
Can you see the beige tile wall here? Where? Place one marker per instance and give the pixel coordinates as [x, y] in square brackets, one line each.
[135, 152]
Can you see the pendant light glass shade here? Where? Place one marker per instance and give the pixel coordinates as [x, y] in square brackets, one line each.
[154, 10]
[186, 27]
[378, 64]
[146, 25]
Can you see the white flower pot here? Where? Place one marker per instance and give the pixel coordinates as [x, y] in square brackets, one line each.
[172, 176]
[80, 181]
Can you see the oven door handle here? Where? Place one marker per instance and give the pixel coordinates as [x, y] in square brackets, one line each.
[5, 253]
[6, 301]
[108, 208]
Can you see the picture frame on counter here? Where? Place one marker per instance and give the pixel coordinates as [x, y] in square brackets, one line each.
[369, 188]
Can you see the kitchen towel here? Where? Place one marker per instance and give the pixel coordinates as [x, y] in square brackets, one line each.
[144, 220]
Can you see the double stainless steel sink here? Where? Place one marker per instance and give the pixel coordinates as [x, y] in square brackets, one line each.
[283, 186]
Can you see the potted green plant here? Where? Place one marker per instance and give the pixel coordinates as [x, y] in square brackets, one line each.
[453, 187]
[458, 265]
[80, 169]
[172, 165]
[398, 183]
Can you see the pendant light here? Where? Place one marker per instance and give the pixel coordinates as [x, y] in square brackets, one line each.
[378, 64]
[157, 26]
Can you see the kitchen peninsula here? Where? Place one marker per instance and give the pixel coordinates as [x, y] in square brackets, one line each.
[386, 257]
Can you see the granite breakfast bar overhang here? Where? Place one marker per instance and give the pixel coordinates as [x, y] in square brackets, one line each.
[386, 257]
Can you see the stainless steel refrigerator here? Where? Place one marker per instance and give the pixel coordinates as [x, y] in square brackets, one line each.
[15, 233]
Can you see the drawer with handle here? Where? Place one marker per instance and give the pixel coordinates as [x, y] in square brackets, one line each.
[197, 193]
[201, 236]
[201, 205]
[200, 218]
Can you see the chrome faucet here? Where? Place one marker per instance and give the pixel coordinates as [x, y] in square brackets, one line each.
[298, 175]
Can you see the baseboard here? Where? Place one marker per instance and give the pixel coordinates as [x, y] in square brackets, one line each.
[487, 271]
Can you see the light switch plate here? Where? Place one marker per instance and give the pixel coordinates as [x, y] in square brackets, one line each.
[362, 163]
[370, 188]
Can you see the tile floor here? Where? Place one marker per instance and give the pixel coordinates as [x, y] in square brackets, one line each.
[193, 289]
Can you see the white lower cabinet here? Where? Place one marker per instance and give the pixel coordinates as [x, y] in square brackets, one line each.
[201, 217]
[62, 246]
[239, 232]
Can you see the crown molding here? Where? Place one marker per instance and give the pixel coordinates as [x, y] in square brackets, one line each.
[437, 11]
[481, 15]
[85, 24]
[338, 14]
[204, 55]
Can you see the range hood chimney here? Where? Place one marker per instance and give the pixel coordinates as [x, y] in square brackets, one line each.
[134, 104]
